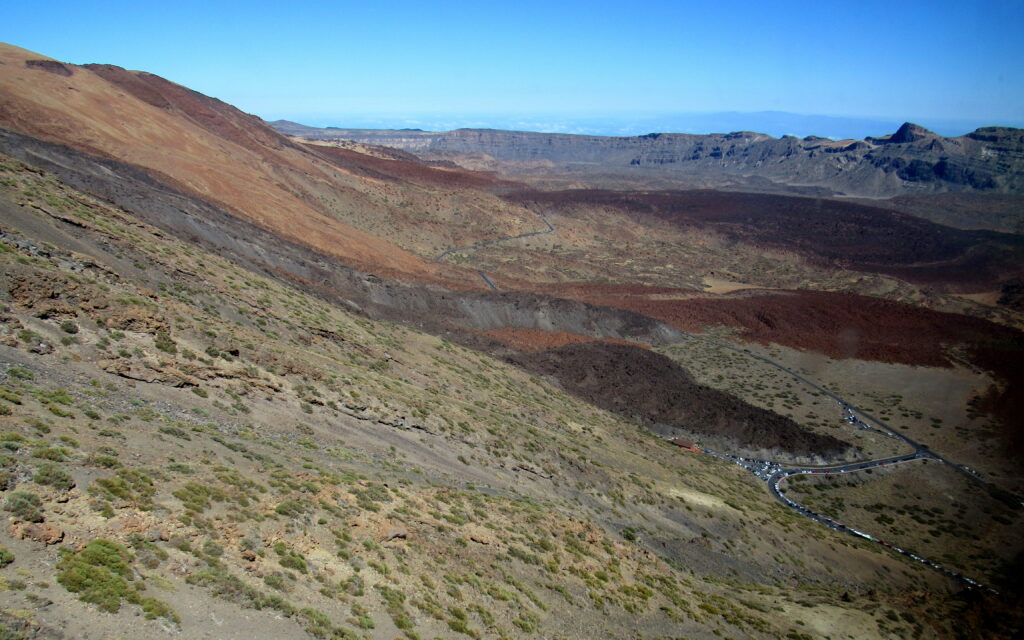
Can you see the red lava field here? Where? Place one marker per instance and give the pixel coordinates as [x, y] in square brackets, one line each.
[839, 325]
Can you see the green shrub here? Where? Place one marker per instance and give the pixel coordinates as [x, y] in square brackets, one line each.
[291, 508]
[365, 622]
[395, 601]
[196, 497]
[53, 475]
[527, 622]
[6, 558]
[213, 549]
[275, 581]
[29, 336]
[56, 454]
[7, 469]
[224, 585]
[294, 561]
[60, 413]
[100, 573]
[20, 372]
[177, 432]
[39, 425]
[107, 462]
[154, 609]
[130, 485]
[165, 343]
[25, 505]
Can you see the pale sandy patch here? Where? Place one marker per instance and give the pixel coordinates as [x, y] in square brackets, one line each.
[988, 297]
[696, 497]
[834, 622]
[719, 285]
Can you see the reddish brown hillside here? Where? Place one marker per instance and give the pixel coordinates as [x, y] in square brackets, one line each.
[204, 147]
[217, 117]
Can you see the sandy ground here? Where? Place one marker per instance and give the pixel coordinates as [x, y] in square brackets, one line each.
[718, 285]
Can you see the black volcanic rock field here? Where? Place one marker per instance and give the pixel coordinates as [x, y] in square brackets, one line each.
[640, 384]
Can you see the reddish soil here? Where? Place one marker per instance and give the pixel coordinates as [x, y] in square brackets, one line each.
[537, 340]
[827, 232]
[839, 325]
[217, 117]
[206, 148]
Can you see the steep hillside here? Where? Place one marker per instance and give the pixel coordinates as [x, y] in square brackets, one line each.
[318, 389]
[203, 147]
[237, 448]
[910, 160]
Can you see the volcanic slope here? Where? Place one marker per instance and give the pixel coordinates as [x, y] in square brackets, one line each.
[204, 147]
[228, 312]
[204, 440]
[213, 124]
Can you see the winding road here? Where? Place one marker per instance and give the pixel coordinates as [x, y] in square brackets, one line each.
[774, 473]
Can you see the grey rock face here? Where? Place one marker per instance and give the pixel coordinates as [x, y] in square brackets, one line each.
[911, 160]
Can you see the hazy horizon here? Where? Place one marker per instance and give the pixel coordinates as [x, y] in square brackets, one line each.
[774, 123]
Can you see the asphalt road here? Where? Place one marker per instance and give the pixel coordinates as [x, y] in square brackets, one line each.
[774, 473]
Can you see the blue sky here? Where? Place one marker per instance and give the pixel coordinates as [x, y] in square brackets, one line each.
[560, 65]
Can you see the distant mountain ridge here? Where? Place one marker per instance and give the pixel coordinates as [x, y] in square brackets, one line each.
[911, 160]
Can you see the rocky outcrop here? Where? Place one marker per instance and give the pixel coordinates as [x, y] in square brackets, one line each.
[41, 532]
[911, 160]
[51, 66]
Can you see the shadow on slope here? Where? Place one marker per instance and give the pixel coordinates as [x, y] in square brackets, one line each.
[638, 383]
